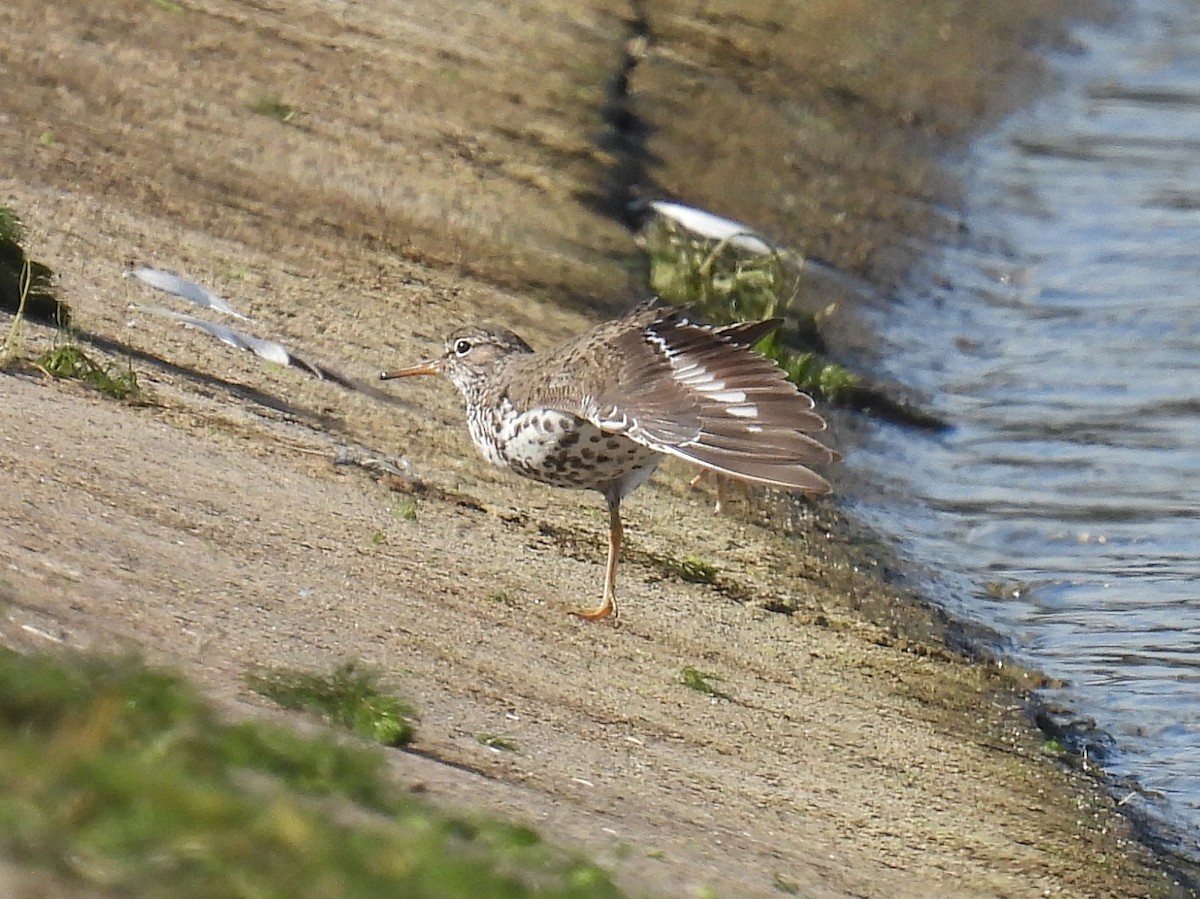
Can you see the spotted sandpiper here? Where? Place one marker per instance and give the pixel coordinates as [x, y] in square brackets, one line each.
[601, 410]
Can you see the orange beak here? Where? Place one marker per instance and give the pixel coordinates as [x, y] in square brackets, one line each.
[425, 368]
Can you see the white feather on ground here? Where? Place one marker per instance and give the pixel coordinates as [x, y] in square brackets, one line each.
[267, 349]
[713, 227]
[182, 287]
[273, 351]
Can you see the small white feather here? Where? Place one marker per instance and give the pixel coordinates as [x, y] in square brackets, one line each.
[267, 349]
[182, 287]
[714, 227]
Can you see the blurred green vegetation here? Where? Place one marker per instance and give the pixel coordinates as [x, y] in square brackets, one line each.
[119, 779]
[726, 283]
[720, 279]
[350, 696]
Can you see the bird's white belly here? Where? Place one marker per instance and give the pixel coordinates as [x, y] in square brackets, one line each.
[561, 449]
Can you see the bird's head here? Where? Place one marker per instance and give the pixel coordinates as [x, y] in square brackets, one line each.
[470, 357]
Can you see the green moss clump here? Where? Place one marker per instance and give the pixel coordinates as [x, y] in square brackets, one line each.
[701, 682]
[273, 107]
[349, 696]
[70, 362]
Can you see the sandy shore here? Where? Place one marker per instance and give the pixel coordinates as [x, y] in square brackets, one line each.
[359, 180]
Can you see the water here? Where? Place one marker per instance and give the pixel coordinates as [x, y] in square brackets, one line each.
[1065, 347]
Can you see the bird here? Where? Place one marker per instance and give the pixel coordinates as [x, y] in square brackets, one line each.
[602, 409]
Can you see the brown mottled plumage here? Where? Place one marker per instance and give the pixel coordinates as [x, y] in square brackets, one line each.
[599, 410]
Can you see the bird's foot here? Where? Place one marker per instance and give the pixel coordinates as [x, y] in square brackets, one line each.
[606, 610]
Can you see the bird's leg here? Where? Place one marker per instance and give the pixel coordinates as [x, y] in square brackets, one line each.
[608, 607]
[704, 475]
[722, 487]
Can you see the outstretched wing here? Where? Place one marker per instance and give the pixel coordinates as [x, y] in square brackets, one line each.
[698, 393]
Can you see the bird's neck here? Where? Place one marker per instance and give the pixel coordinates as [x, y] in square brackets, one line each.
[490, 420]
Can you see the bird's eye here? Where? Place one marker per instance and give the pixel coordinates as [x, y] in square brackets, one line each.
[462, 347]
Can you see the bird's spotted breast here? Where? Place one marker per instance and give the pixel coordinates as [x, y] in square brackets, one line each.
[560, 449]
